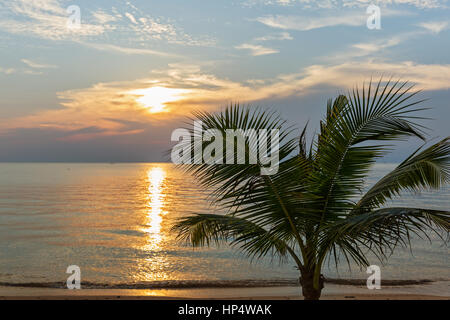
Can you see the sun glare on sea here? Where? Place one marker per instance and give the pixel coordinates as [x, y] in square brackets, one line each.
[155, 205]
[156, 98]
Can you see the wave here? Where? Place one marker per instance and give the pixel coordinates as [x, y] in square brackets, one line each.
[193, 284]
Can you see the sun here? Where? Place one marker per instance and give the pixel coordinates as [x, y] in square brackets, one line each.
[155, 98]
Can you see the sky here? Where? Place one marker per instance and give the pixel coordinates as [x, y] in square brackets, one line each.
[109, 80]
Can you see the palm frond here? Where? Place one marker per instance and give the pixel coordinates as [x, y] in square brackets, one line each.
[225, 178]
[371, 115]
[206, 229]
[427, 169]
[381, 231]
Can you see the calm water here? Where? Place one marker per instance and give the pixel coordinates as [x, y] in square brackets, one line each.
[114, 222]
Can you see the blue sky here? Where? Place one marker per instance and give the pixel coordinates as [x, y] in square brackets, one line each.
[87, 93]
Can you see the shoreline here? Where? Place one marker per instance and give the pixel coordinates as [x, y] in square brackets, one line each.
[201, 284]
[432, 291]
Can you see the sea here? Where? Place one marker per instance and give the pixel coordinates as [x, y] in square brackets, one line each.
[113, 221]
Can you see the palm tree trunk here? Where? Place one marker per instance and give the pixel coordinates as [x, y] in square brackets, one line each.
[307, 283]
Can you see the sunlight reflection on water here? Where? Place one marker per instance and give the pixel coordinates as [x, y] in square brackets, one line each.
[156, 197]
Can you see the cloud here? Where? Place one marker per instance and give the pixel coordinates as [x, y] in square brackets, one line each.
[110, 106]
[305, 23]
[126, 50]
[145, 28]
[7, 70]
[88, 107]
[284, 2]
[44, 19]
[275, 37]
[326, 18]
[435, 26]
[346, 75]
[33, 72]
[131, 17]
[36, 65]
[142, 27]
[256, 50]
[35, 68]
[260, 50]
[421, 4]
[102, 17]
[364, 49]
[48, 19]
[333, 4]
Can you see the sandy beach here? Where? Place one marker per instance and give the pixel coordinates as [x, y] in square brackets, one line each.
[436, 291]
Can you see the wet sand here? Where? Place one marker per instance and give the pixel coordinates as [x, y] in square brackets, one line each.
[331, 292]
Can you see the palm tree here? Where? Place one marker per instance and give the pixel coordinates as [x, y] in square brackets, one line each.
[307, 210]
